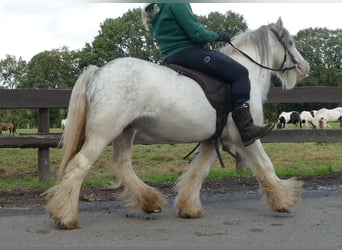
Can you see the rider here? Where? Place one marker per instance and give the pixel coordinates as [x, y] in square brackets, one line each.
[181, 39]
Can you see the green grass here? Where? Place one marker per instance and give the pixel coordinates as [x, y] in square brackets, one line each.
[161, 163]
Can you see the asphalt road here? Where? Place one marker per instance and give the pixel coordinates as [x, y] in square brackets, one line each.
[241, 219]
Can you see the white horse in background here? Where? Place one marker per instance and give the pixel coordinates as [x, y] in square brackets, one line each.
[307, 117]
[63, 123]
[111, 103]
[323, 116]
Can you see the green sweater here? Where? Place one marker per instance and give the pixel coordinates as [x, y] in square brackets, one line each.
[176, 28]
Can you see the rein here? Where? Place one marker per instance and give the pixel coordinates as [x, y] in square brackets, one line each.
[281, 69]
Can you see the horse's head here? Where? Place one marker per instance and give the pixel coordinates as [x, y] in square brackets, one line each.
[281, 122]
[291, 64]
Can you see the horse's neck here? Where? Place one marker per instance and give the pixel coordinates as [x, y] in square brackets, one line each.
[260, 78]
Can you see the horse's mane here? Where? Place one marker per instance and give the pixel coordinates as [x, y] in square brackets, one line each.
[257, 38]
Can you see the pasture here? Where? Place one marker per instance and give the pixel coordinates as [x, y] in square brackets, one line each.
[161, 163]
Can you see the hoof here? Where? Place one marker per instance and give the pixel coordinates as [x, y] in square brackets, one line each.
[153, 211]
[69, 226]
[184, 216]
[189, 215]
[284, 210]
[156, 211]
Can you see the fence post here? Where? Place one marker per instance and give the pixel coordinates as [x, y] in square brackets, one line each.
[43, 153]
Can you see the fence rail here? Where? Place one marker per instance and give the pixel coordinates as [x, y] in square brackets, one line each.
[43, 99]
[47, 98]
[283, 135]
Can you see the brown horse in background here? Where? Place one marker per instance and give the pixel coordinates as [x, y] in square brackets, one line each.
[4, 126]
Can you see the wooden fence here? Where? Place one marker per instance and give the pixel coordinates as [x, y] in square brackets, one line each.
[43, 99]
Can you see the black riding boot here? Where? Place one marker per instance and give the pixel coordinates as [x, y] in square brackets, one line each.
[244, 122]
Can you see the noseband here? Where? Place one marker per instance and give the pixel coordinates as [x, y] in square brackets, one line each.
[286, 51]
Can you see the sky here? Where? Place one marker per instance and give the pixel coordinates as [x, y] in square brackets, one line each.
[32, 26]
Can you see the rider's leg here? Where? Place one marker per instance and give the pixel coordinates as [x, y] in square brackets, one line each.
[221, 66]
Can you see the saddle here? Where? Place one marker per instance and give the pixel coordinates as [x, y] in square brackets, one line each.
[217, 92]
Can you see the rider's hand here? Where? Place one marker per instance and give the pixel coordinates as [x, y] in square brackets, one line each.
[224, 37]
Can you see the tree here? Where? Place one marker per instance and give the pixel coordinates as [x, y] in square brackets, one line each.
[322, 49]
[57, 68]
[121, 37]
[229, 22]
[12, 71]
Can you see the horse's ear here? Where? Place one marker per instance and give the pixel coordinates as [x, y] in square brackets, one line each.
[279, 24]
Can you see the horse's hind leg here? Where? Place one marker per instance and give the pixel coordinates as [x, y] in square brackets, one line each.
[280, 194]
[136, 193]
[63, 198]
[188, 201]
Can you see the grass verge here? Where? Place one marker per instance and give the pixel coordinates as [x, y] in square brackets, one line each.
[164, 163]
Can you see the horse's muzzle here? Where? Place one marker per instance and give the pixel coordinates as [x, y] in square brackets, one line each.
[302, 69]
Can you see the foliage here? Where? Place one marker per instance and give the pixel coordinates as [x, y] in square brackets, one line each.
[322, 49]
[121, 37]
[229, 22]
[58, 69]
[12, 71]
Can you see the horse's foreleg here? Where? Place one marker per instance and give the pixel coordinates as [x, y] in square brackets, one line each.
[63, 198]
[188, 201]
[136, 193]
[280, 194]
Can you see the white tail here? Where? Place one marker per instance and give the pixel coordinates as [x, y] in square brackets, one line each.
[73, 135]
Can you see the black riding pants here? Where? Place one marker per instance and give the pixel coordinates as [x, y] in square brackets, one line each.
[218, 65]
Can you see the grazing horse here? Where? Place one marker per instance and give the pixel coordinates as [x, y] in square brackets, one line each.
[323, 123]
[326, 115]
[111, 103]
[307, 117]
[292, 117]
[4, 126]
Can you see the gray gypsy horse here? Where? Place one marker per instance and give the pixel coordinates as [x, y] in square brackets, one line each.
[109, 104]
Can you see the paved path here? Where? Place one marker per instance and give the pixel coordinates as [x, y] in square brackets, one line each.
[236, 220]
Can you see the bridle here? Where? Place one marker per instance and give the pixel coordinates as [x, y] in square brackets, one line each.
[286, 51]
